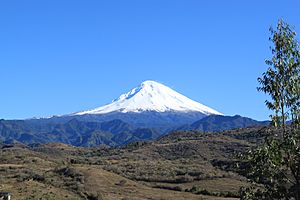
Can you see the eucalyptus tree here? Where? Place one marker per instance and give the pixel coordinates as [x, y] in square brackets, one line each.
[281, 80]
[274, 166]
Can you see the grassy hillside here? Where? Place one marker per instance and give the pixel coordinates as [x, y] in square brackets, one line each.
[182, 165]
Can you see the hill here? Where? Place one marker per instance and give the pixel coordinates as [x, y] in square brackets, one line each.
[74, 132]
[113, 133]
[216, 123]
[181, 165]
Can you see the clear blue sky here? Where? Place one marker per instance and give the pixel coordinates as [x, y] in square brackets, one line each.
[59, 57]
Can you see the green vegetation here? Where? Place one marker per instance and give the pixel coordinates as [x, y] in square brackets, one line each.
[274, 167]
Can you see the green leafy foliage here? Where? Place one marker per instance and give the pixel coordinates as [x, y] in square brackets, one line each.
[274, 167]
[281, 80]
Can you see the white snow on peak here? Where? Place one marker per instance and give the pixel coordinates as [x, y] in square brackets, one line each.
[152, 96]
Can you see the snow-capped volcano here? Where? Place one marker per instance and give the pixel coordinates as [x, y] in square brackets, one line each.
[152, 96]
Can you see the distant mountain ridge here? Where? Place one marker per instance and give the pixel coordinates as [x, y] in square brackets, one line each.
[74, 132]
[217, 123]
[113, 133]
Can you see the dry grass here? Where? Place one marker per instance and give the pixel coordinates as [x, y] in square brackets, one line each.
[179, 166]
[111, 186]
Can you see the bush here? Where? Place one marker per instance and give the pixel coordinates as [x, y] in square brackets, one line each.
[166, 187]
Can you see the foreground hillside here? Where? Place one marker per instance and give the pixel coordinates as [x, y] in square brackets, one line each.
[182, 165]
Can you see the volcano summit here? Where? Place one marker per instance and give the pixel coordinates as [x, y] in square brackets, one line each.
[150, 105]
[152, 96]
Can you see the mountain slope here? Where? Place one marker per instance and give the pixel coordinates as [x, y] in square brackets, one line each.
[140, 171]
[215, 123]
[152, 96]
[113, 133]
[150, 105]
[74, 132]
